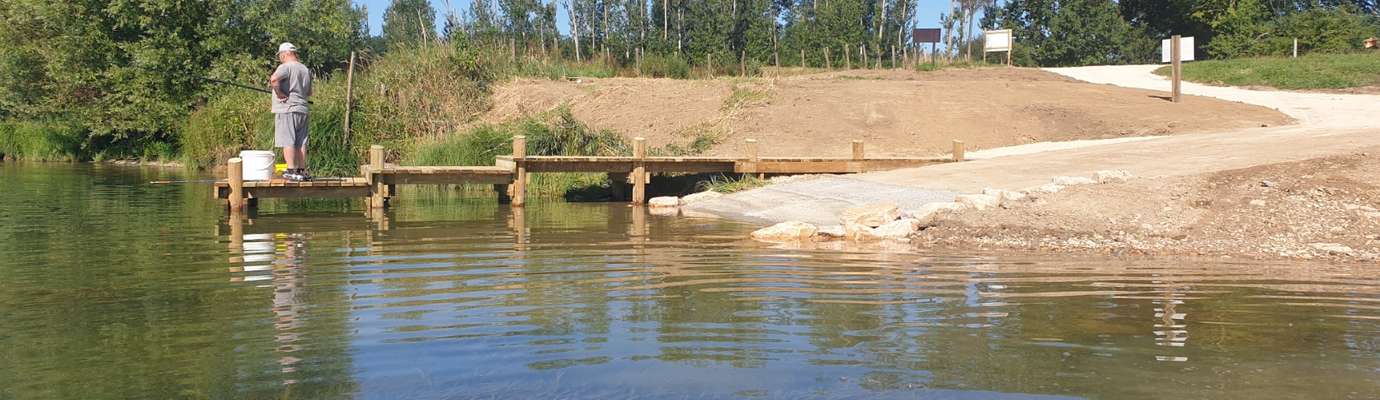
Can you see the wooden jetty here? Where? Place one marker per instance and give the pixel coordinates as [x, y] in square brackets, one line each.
[378, 180]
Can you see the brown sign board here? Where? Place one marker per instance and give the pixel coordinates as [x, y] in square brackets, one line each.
[925, 35]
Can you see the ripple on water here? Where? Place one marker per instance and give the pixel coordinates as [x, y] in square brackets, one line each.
[156, 293]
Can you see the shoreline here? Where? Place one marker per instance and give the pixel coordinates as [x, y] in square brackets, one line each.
[1298, 192]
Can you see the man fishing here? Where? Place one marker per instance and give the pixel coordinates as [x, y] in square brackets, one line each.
[291, 85]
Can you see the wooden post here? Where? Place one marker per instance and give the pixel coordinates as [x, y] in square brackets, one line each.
[235, 175]
[349, 96]
[827, 65]
[710, 58]
[802, 58]
[847, 61]
[520, 173]
[378, 196]
[857, 150]
[752, 155]
[639, 172]
[742, 64]
[1296, 47]
[958, 150]
[1177, 63]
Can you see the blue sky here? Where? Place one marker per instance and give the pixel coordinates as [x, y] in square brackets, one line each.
[927, 15]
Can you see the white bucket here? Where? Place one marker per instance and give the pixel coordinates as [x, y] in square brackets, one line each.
[257, 165]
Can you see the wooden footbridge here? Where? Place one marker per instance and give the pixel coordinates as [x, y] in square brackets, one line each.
[510, 174]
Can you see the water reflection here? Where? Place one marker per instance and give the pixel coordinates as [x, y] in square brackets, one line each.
[115, 290]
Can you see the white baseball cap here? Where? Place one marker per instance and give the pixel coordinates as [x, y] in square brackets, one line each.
[286, 47]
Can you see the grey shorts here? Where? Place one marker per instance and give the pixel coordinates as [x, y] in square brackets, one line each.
[290, 130]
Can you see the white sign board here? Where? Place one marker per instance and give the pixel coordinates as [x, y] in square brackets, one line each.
[1185, 49]
[997, 40]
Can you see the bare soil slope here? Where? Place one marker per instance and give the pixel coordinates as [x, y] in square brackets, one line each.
[897, 112]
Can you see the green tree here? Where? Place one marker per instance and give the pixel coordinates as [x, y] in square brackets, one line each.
[408, 23]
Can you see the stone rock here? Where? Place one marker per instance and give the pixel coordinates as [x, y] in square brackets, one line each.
[1111, 176]
[1258, 203]
[831, 232]
[1333, 249]
[663, 211]
[1046, 188]
[978, 201]
[1005, 197]
[1072, 180]
[664, 202]
[1267, 184]
[870, 215]
[860, 233]
[898, 229]
[789, 231]
[701, 196]
[928, 213]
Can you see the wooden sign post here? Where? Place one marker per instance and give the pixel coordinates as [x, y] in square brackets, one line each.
[1176, 60]
[999, 41]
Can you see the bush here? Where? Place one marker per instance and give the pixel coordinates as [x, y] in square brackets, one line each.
[665, 66]
[1249, 30]
[42, 140]
[557, 133]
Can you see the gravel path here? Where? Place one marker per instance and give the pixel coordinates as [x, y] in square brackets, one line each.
[1328, 124]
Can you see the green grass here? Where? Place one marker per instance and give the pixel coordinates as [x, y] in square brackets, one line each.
[1313, 71]
[554, 133]
[42, 140]
[730, 184]
[744, 96]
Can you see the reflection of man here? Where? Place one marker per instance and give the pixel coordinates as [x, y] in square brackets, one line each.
[287, 307]
[291, 84]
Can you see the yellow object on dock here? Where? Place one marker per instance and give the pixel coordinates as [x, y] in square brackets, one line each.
[278, 169]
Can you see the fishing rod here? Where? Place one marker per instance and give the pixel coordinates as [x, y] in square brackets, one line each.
[241, 86]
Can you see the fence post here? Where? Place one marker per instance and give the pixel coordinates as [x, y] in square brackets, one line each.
[857, 150]
[958, 150]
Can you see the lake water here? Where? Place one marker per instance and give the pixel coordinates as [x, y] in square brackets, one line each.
[114, 288]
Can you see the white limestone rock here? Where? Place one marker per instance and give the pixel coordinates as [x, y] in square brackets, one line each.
[898, 229]
[832, 232]
[1072, 180]
[870, 215]
[978, 201]
[664, 202]
[701, 196]
[1005, 197]
[789, 231]
[930, 212]
[1111, 176]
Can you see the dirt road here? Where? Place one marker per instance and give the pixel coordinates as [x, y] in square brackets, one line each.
[1329, 125]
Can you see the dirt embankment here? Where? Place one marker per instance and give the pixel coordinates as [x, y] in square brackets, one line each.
[1324, 208]
[896, 112]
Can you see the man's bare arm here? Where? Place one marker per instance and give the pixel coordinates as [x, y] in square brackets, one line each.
[273, 83]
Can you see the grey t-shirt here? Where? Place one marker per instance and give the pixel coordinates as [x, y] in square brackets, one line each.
[294, 80]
